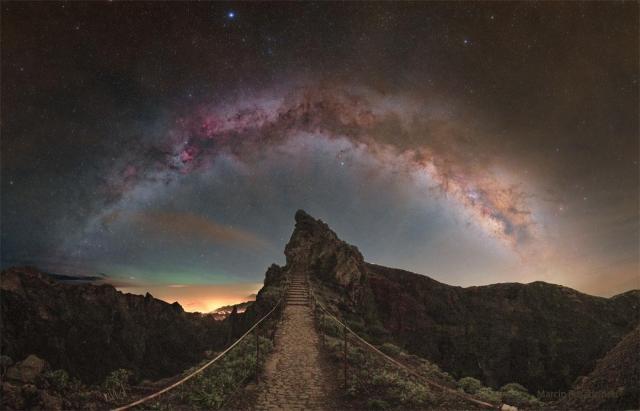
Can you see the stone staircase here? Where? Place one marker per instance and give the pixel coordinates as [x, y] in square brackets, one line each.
[298, 292]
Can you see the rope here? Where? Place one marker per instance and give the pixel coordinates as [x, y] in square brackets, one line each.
[399, 364]
[199, 370]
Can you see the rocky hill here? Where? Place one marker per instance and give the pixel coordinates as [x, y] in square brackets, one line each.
[91, 330]
[540, 335]
[615, 382]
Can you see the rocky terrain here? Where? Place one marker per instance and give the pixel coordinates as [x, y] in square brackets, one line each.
[540, 335]
[615, 382]
[91, 330]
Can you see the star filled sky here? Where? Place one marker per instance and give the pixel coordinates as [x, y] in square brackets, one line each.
[167, 145]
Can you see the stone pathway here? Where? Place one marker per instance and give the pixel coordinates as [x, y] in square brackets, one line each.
[295, 376]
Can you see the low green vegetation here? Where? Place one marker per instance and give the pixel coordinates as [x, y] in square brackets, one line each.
[58, 380]
[470, 385]
[390, 349]
[211, 388]
[116, 385]
[373, 383]
[513, 393]
[214, 386]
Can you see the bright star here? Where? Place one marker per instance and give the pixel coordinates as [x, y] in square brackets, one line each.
[231, 14]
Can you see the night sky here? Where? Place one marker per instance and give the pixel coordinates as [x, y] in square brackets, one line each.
[167, 146]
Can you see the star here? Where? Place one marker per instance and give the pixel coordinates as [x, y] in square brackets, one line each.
[231, 14]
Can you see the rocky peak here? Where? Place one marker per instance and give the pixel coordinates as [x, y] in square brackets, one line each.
[316, 250]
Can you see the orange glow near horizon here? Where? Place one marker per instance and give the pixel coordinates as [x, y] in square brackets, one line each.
[202, 298]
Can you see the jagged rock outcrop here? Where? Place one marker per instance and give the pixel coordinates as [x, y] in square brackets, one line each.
[540, 335]
[316, 250]
[615, 382]
[90, 330]
[28, 370]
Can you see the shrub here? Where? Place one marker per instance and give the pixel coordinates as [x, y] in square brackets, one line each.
[413, 394]
[470, 384]
[354, 355]
[390, 349]
[488, 395]
[58, 379]
[378, 331]
[515, 394]
[210, 389]
[377, 404]
[514, 386]
[330, 327]
[116, 385]
[519, 398]
[390, 387]
[357, 325]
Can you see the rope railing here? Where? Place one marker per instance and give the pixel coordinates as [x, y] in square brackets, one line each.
[209, 363]
[395, 362]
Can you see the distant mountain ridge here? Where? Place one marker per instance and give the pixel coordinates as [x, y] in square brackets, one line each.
[540, 335]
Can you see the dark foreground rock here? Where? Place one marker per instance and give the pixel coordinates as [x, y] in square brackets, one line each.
[90, 330]
[615, 382]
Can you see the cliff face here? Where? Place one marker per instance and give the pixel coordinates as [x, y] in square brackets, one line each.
[316, 250]
[91, 330]
[540, 335]
[615, 382]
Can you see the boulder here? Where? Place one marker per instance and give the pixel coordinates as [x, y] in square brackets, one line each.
[27, 370]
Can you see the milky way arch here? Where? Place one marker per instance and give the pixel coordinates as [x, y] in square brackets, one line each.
[398, 132]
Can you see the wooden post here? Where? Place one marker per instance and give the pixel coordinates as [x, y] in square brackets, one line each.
[257, 355]
[345, 357]
[322, 328]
